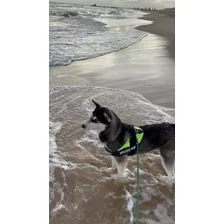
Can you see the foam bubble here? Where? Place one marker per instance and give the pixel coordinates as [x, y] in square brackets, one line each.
[57, 208]
[54, 128]
[55, 159]
[130, 205]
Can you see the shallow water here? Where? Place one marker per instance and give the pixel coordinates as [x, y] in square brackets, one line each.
[82, 188]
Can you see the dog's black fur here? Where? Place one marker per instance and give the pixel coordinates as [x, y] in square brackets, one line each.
[156, 136]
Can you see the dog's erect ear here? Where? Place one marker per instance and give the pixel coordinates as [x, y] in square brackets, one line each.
[97, 105]
[107, 117]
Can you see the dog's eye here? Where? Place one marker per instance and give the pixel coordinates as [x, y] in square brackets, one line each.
[94, 120]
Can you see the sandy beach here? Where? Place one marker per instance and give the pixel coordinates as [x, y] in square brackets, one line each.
[163, 25]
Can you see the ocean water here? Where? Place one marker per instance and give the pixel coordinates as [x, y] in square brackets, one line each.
[83, 188]
[80, 32]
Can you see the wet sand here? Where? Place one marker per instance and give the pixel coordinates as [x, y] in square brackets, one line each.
[163, 25]
[144, 67]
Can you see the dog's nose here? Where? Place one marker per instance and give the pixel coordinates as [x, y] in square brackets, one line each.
[83, 126]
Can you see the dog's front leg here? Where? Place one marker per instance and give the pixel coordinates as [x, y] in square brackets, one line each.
[113, 162]
[121, 164]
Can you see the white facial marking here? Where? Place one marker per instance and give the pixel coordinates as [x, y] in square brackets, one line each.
[97, 127]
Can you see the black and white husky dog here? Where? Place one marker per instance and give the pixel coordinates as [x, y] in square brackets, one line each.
[122, 140]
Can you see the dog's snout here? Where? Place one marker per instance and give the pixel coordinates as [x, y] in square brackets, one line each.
[83, 126]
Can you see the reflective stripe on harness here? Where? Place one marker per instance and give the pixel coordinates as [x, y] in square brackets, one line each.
[130, 146]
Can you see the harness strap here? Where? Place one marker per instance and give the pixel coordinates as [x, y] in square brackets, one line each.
[133, 141]
[132, 148]
[108, 150]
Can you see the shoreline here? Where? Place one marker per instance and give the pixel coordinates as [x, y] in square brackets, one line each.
[144, 67]
[163, 25]
[101, 55]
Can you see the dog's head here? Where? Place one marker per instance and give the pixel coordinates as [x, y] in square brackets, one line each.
[103, 120]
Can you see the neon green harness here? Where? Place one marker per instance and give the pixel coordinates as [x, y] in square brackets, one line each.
[139, 138]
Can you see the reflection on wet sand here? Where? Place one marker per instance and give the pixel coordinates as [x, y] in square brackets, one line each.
[143, 67]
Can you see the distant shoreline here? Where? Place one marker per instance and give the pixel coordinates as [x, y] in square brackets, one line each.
[163, 25]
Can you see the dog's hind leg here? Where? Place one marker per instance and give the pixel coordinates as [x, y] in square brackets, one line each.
[168, 165]
[167, 153]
